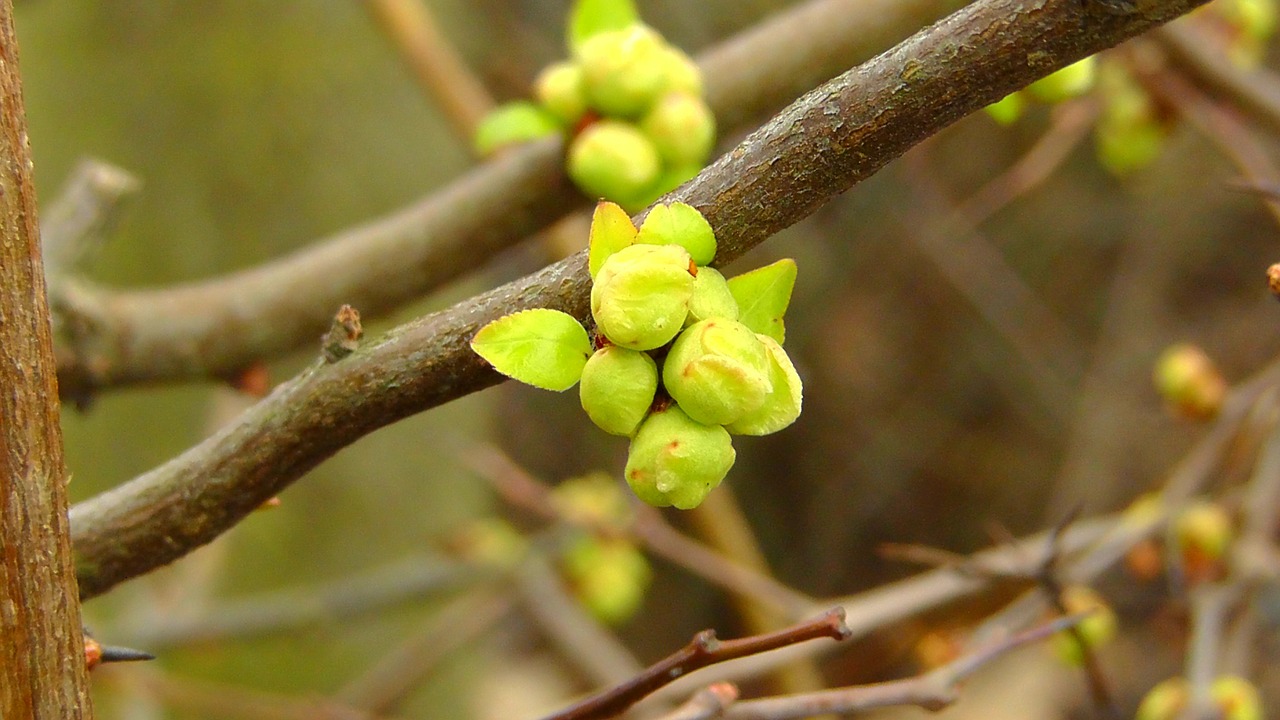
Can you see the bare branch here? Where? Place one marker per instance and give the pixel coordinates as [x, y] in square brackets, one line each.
[216, 327]
[702, 651]
[832, 138]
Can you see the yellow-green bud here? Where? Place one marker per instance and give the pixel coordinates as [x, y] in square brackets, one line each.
[614, 160]
[681, 72]
[675, 460]
[559, 88]
[1096, 629]
[711, 297]
[718, 371]
[781, 406]
[682, 127]
[1190, 382]
[1071, 81]
[641, 295]
[1008, 109]
[1165, 701]
[595, 499]
[1203, 532]
[1237, 698]
[617, 388]
[609, 576]
[624, 71]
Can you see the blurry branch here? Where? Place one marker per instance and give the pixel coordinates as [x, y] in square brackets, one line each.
[233, 702]
[1256, 92]
[820, 146]
[281, 612]
[704, 650]
[579, 637]
[649, 528]
[382, 688]
[218, 326]
[931, 691]
[1210, 606]
[83, 217]
[706, 704]
[443, 75]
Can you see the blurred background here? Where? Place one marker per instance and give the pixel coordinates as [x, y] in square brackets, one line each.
[968, 364]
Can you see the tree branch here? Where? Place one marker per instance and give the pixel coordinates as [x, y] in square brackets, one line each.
[824, 143]
[42, 650]
[217, 327]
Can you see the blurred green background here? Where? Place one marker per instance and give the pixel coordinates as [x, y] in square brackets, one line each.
[257, 127]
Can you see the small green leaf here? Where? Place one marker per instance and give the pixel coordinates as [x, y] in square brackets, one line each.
[513, 123]
[611, 230]
[592, 17]
[543, 348]
[763, 295]
[679, 224]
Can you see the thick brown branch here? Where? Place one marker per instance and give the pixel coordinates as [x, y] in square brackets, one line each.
[216, 327]
[824, 143]
[702, 651]
[42, 652]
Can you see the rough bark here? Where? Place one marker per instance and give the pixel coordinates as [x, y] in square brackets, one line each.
[42, 668]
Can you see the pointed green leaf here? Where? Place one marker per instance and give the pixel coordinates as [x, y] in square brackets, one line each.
[679, 224]
[513, 123]
[763, 295]
[611, 230]
[592, 17]
[543, 348]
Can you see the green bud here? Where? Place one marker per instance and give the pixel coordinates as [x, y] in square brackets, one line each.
[559, 88]
[781, 406]
[1007, 110]
[609, 576]
[1237, 698]
[711, 297]
[1165, 701]
[624, 71]
[512, 124]
[641, 295]
[1095, 629]
[681, 72]
[1071, 81]
[614, 160]
[682, 127]
[718, 371]
[675, 460]
[617, 388]
[679, 224]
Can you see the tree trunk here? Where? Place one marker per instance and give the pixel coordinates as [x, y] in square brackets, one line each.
[42, 668]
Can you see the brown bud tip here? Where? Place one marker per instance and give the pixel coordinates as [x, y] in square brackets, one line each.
[344, 335]
[254, 380]
[270, 504]
[92, 653]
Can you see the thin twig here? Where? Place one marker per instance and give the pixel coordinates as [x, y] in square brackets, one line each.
[441, 72]
[702, 651]
[706, 704]
[1256, 92]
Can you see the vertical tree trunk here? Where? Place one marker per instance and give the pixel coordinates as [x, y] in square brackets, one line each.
[42, 670]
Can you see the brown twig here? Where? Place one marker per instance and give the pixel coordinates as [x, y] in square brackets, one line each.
[1256, 92]
[216, 327]
[438, 68]
[706, 704]
[832, 138]
[932, 691]
[702, 651]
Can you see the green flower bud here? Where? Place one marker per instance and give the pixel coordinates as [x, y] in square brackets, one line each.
[559, 88]
[675, 460]
[781, 406]
[614, 160]
[681, 72]
[641, 295]
[718, 371]
[711, 298]
[1237, 698]
[624, 71]
[682, 127]
[609, 577]
[1095, 629]
[1071, 81]
[617, 388]
[1165, 701]
[679, 224]
[1007, 110]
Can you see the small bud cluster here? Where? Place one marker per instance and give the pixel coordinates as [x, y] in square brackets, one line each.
[1189, 381]
[1233, 697]
[630, 103]
[1199, 543]
[1096, 629]
[681, 358]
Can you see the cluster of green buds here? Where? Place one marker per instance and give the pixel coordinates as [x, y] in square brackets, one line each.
[630, 104]
[679, 357]
[1233, 697]
[604, 568]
